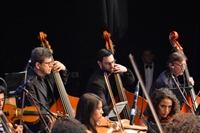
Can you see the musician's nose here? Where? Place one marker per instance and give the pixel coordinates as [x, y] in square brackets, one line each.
[102, 111]
[167, 109]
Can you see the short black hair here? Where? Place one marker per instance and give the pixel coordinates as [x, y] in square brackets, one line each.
[68, 125]
[176, 56]
[39, 54]
[3, 86]
[103, 53]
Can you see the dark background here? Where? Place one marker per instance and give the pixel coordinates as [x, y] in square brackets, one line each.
[74, 31]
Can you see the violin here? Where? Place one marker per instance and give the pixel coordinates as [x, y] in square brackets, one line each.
[166, 120]
[105, 125]
[30, 114]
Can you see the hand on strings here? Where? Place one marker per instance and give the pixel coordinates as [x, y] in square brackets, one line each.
[18, 128]
[191, 80]
[119, 68]
[57, 66]
[52, 121]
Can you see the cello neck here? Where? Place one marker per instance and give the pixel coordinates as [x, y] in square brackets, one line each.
[65, 100]
[122, 95]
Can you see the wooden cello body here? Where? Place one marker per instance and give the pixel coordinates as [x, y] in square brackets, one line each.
[113, 126]
[192, 99]
[65, 103]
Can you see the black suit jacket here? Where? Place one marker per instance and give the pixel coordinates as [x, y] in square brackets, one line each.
[156, 71]
[36, 90]
[97, 85]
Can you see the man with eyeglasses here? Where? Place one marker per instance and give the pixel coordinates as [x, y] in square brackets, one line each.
[43, 86]
[176, 66]
[97, 84]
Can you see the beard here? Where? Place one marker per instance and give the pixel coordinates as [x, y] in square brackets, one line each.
[110, 71]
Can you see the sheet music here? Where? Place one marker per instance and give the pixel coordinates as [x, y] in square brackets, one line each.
[120, 106]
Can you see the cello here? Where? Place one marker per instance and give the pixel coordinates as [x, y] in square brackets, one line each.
[123, 94]
[192, 99]
[65, 103]
[107, 126]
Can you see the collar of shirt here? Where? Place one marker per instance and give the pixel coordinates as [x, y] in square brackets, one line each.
[149, 66]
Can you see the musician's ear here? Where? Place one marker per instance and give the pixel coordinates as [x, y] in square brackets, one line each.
[37, 65]
[172, 63]
[99, 63]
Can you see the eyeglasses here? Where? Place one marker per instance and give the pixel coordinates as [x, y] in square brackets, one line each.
[109, 63]
[48, 63]
[180, 65]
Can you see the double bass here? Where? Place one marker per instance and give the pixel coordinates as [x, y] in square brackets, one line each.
[106, 126]
[124, 95]
[65, 103]
[192, 99]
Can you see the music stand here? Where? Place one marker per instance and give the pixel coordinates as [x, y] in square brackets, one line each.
[176, 92]
[120, 106]
[13, 80]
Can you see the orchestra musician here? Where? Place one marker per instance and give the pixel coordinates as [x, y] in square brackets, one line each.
[165, 104]
[183, 123]
[97, 84]
[17, 128]
[176, 66]
[42, 85]
[149, 67]
[89, 112]
[68, 125]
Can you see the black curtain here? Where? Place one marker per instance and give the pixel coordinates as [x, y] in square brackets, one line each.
[114, 18]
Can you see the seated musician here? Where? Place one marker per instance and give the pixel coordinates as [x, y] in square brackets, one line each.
[89, 112]
[166, 105]
[97, 84]
[183, 123]
[176, 65]
[43, 86]
[12, 128]
[68, 125]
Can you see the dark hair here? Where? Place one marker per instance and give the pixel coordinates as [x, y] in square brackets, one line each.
[68, 125]
[39, 54]
[87, 104]
[147, 48]
[183, 123]
[103, 53]
[3, 86]
[160, 94]
[176, 56]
